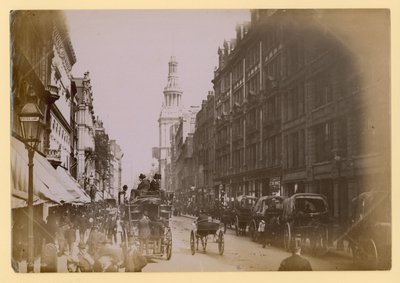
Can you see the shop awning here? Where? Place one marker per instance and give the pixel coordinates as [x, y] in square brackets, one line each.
[48, 185]
[75, 192]
[19, 199]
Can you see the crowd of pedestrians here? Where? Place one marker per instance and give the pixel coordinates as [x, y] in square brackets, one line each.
[89, 236]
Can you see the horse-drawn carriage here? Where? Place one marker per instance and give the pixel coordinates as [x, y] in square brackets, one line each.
[305, 218]
[202, 230]
[369, 236]
[242, 213]
[147, 223]
[265, 220]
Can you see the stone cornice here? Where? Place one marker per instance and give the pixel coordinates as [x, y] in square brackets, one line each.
[62, 44]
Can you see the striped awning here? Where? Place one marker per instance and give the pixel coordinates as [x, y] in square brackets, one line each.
[49, 184]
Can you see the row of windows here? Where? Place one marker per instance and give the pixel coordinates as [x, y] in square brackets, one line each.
[57, 128]
[294, 103]
[294, 148]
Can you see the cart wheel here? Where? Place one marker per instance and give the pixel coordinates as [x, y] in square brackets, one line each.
[168, 248]
[287, 236]
[371, 254]
[192, 244]
[237, 226]
[221, 244]
[253, 231]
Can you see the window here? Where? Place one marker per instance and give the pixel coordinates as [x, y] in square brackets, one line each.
[343, 137]
[286, 146]
[302, 148]
[322, 89]
[301, 104]
[324, 142]
[295, 150]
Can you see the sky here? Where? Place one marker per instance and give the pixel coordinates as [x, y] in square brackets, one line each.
[127, 54]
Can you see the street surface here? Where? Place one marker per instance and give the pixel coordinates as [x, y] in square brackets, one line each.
[241, 254]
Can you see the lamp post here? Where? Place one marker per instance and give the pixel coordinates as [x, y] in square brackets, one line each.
[30, 119]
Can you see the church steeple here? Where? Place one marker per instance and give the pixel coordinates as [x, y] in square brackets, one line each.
[173, 92]
[171, 113]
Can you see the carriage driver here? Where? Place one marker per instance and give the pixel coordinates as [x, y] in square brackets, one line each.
[142, 188]
[155, 183]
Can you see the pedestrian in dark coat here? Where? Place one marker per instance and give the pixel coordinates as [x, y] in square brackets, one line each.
[144, 184]
[295, 262]
[155, 183]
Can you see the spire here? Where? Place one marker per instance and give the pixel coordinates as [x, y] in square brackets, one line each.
[173, 79]
[172, 92]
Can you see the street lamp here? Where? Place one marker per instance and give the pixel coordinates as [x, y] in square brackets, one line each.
[30, 119]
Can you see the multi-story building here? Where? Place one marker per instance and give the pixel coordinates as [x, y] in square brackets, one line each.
[203, 151]
[62, 141]
[182, 157]
[116, 155]
[85, 132]
[102, 160]
[170, 114]
[299, 107]
[35, 54]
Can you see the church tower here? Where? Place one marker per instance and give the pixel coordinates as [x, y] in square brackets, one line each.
[171, 112]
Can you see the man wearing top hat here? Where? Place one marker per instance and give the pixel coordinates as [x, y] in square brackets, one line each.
[155, 183]
[142, 188]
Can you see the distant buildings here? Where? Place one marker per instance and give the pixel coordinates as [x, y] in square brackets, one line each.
[182, 165]
[116, 156]
[204, 152]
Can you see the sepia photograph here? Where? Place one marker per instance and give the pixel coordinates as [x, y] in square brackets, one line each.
[208, 140]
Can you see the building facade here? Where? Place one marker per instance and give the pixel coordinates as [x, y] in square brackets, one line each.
[116, 156]
[62, 140]
[170, 114]
[182, 165]
[41, 59]
[85, 120]
[203, 151]
[299, 108]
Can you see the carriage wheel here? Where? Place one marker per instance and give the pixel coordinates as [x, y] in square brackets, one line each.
[221, 244]
[253, 231]
[237, 226]
[287, 236]
[192, 243]
[205, 244]
[370, 253]
[168, 248]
